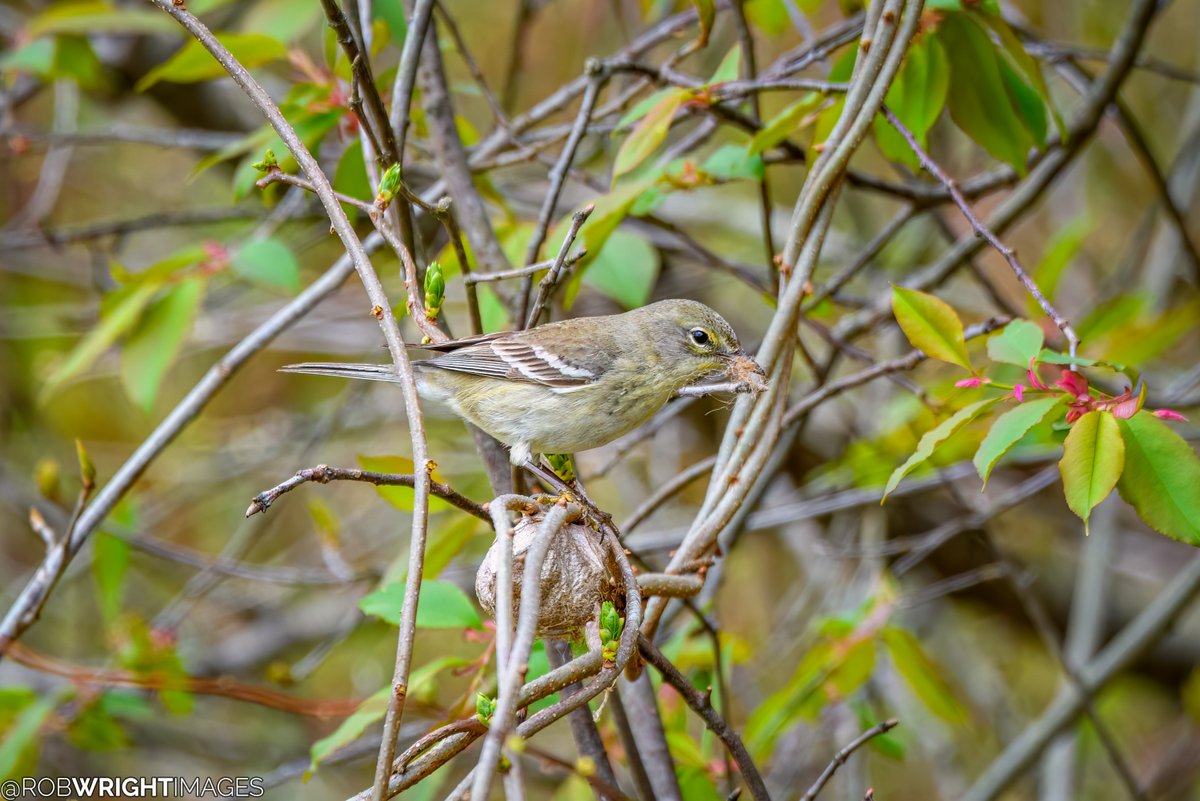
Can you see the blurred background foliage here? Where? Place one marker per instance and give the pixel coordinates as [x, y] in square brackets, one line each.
[136, 250]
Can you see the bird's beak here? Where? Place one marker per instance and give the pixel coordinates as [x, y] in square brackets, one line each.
[743, 368]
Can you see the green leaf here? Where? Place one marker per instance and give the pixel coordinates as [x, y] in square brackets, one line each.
[447, 542]
[769, 16]
[194, 63]
[625, 270]
[110, 561]
[125, 310]
[372, 709]
[400, 497]
[74, 59]
[916, 97]
[285, 20]
[887, 743]
[350, 178]
[707, 11]
[1093, 458]
[155, 342]
[730, 162]
[36, 57]
[1009, 428]
[729, 67]
[441, 605]
[935, 437]
[397, 22]
[19, 747]
[94, 17]
[783, 124]
[854, 668]
[95, 728]
[1028, 103]
[978, 98]
[1022, 60]
[922, 675]
[648, 134]
[269, 263]
[1018, 343]
[492, 311]
[643, 106]
[930, 325]
[1059, 250]
[1162, 477]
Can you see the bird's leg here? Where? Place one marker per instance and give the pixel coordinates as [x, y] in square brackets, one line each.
[571, 489]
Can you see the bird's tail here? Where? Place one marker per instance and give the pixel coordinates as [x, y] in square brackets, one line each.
[362, 372]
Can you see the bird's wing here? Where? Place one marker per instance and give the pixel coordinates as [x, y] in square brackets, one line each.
[515, 359]
[458, 344]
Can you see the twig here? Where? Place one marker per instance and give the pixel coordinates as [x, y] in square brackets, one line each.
[406, 73]
[546, 287]
[452, 160]
[444, 215]
[520, 272]
[1057, 51]
[1079, 130]
[53, 173]
[323, 474]
[840, 758]
[983, 231]
[222, 687]
[375, 122]
[605, 678]
[606, 789]
[558, 175]
[700, 390]
[21, 614]
[472, 66]
[665, 492]
[750, 59]
[278, 176]
[583, 730]
[701, 705]
[637, 770]
[55, 237]
[381, 309]
[513, 670]
[1138, 635]
[191, 138]
[670, 586]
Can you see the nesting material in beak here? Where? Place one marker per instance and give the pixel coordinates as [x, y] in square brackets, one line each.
[743, 369]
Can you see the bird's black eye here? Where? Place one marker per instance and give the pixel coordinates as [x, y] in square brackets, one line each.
[699, 336]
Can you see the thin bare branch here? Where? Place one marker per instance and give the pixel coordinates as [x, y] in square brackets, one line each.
[840, 757]
[323, 474]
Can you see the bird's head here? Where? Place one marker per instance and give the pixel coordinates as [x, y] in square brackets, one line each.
[697, 341]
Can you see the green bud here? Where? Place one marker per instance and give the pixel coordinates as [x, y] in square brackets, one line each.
[484, 708]
[435, 290]
[389, 185]
[87, 470]
[562, 464]
[46, 477]
[268, 162]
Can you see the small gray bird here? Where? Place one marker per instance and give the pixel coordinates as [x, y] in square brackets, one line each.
[572, 385]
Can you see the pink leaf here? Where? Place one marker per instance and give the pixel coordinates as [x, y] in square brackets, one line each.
[1168, 414]
[1074, 383]
[1077, 410]
[1124, 405]
[971, 383]
[1019, 392]
[1034, 381]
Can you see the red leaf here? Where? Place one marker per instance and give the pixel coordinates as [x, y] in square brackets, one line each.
[1074, 383]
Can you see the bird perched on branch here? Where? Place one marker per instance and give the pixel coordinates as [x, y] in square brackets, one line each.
[572, 385]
